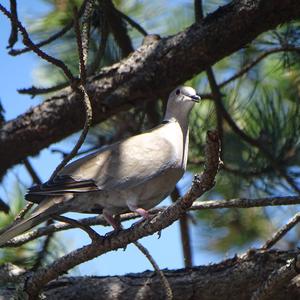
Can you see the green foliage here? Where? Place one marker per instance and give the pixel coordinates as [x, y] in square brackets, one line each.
[233, 227]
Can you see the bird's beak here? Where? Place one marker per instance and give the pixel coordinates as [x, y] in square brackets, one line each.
[195, 98]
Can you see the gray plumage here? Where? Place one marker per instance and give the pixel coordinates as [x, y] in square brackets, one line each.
[134, 174]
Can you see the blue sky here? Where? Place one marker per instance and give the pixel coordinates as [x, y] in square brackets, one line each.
[17, 72]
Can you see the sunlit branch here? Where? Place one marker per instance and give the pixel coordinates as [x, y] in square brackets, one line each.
[197, 206]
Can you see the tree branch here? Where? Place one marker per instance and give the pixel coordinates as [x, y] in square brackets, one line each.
[277, 280]
[13, 38]
[197, 205]
[278, 235]
[235, 278]
[150, 71]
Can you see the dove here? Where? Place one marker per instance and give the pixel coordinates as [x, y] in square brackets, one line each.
[134, 174]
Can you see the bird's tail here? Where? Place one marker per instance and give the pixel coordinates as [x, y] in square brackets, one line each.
[21, 227]
[43, 211]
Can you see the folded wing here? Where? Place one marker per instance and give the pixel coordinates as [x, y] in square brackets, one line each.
[118, 166]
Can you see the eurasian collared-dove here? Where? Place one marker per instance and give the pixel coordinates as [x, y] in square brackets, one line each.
[131, 175]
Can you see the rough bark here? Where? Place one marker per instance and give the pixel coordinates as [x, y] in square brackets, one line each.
[236, 278]
[152, 70]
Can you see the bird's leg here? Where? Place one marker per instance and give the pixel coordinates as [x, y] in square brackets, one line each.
[111, 220]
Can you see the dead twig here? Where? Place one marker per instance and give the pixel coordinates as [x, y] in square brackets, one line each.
[36, 179]
[51, 38]
[132, 23]
[33, 91]
[291, 223]
[91, 233]
[23, 212]
[84, 95]
[13, 38]
[28, 42]
[160, 273]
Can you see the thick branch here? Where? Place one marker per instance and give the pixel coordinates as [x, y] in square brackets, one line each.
[236, 278]
[146, 74]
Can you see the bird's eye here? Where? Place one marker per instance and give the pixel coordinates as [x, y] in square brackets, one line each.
[177, 92]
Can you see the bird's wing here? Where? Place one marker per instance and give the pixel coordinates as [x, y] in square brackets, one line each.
[118, 166]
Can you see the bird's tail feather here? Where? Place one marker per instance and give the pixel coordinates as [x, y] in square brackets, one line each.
[42, 212]
[21, 227]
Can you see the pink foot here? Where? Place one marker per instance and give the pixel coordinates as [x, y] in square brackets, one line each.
[142, 212]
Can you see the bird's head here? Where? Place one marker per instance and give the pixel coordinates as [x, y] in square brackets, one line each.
[184, 94]
[181, 101]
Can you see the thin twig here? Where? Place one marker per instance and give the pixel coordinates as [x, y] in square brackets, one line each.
[93, 148]
[101, 48]
[83, 38]
[50, 39]
[23, 212]
[86, 100]
[28, 42]
[88, 122]
[282, 232]
[198, 10]
[253, 63]
[39, 91]
[132, 23]
[36, 179]
[118, 28]
[160, 273]
[197, 205]
[13, 38]
[74, 223]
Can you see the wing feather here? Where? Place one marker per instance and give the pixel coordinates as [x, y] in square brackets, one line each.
[118, 166]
